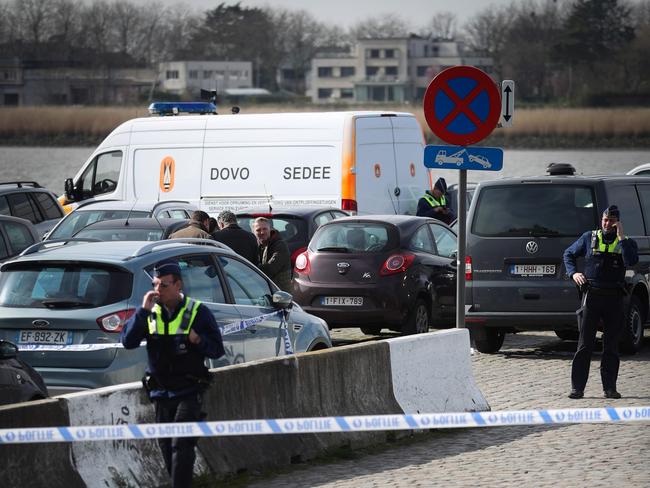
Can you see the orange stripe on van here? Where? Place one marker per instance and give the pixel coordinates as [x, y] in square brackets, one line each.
[348, 176]
[167, 171]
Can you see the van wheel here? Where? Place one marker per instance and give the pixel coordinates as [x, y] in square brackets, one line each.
[567, 335]
[486, 339]
[418, 320]
[632, 337]
[371, 330]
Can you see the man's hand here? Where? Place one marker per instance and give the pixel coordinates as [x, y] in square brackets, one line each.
[619, 231]
[149, 300]
[194, 338]
[579, 279]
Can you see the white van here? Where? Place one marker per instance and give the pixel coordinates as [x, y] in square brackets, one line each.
[361, 162]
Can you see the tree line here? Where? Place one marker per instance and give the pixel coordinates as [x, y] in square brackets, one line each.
[561, 51]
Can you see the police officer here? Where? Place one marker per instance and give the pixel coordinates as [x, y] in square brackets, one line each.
[607, 252]
[434, 203]
[180, 334]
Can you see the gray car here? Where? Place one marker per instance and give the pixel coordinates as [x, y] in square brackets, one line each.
[30, 201]
[81, 293]
[16, 235]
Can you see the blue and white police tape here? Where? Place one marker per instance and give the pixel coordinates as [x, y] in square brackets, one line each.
[225, 329]
[313, 425]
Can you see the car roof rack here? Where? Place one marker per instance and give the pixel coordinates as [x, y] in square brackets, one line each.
[20, 184]
[55, 243]
[151, 246]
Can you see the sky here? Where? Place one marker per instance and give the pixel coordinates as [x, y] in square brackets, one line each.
[348, 12]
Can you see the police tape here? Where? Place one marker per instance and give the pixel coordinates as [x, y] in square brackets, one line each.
[225, 329]
[316, 425]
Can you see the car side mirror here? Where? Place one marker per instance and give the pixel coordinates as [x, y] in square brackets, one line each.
[8, 350]
[282, 300]
[454, 256]
[68, 188]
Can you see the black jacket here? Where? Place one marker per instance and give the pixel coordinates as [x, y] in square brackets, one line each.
[275, 261]
[239, 240]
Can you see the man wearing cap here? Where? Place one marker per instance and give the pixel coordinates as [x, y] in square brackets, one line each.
[180, 334]
[434, 203]
[233, 236]
[607, 252]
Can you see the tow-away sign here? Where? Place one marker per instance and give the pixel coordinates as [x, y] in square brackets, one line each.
[507, 103]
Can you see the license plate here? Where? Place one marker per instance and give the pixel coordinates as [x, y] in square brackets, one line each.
[50, 337]
[532, 269]
[344, 301]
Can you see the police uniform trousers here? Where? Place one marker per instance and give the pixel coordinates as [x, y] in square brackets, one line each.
[178, 453]
[607, 306]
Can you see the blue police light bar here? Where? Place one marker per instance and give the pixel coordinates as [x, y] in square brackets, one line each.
[175, 108]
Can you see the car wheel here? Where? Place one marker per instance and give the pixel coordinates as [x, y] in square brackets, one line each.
[486, 339]
[417, 321]
[371, 330]
[567, 335]
[632, 337]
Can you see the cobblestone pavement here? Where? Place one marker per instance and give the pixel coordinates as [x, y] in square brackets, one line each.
[530, 372]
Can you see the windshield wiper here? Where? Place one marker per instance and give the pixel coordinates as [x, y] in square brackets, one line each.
[65, 303]
[333, 249]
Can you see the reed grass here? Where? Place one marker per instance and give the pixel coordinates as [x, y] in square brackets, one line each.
[539, 122]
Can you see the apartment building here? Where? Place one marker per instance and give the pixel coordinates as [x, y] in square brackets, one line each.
[395, 70]
[189, 77]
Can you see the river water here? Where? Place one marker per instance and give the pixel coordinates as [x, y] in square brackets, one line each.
[51, 165]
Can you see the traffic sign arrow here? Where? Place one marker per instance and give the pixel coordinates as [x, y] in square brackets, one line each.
[507, 102]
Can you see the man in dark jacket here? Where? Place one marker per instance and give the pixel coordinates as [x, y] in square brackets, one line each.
[434, 203]
[233, 236]
[273, 252]
[607, 253]
[198, 227]
[180, 333]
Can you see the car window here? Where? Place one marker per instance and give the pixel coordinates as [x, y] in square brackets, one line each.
[79, 219]
[421, 241]
[19, 236]
[4, 252]
[22, 207]
[200, 278]
[534, 210]
[163, 215]
[353, 237]
[4, 206]
[644, 194]
[248, 286]
[107, 172]
[121, 234]
[177, 213]
[70, 285]
[322, 218]
[48, 205]
[445, 240]
[626, 199]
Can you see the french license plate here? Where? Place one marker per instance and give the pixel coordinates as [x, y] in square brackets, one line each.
[344, 301]
[532, 269]
[49, 337]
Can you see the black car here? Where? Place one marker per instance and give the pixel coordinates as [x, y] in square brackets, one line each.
[296, 225]
[30, 201]
[16, 235]
[382, 271]
[141, 229]
[19, 382]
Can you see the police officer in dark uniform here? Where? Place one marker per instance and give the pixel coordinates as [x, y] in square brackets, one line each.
[434, 203]
[180, 334]
[607, 253]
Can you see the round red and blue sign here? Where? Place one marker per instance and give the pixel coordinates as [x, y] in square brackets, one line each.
[462, 105]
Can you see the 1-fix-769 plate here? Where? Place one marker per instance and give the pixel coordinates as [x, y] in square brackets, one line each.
[342, 301]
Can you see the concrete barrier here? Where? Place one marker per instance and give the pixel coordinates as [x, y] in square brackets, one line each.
[423, 373]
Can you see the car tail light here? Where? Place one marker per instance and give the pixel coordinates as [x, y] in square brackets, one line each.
[265, 215]
[397, 263]
[303, 266]
[296, 253]
[349, 206]
[114, 322]
[468, 268]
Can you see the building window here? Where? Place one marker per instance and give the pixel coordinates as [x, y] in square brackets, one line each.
[347, 93]
[324, 72]
[389, 53]
[11, 99]
[373, 53]
[194, 74]
[324, 92]
[422, 70]
[207, 73]
[371, 70]
[391, 70]
[172, 74]
[347, 71]
[9, 75]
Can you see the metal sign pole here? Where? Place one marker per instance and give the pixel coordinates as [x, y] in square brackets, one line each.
[462, 231]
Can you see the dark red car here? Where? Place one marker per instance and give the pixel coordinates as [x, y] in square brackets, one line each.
[383, 271]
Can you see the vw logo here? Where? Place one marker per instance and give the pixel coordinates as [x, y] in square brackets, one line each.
[531, 247]
[40, 324]
[343, 267]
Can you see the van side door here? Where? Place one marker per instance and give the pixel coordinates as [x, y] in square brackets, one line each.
[411, 176]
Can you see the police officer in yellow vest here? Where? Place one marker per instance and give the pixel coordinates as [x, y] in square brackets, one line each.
[607, 253]
[434, 203]
[180, 334]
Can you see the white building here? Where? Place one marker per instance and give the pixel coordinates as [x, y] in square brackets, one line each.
[182, 77]
[394, 70]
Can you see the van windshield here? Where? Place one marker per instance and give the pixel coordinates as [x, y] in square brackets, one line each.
[535, 210]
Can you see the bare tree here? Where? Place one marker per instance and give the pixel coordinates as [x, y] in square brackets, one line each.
[442, 25]
[384, 26]
[127, 20]
[35, 15]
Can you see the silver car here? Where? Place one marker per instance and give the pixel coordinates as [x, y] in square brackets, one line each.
[80, 294]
